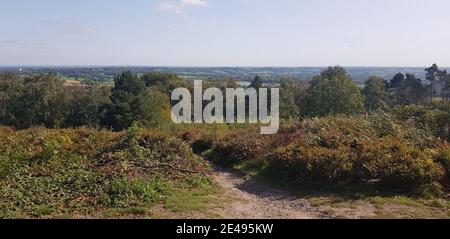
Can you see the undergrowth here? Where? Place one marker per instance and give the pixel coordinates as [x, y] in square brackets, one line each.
[83, 172]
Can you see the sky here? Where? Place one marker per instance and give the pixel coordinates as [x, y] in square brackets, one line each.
[225, 32]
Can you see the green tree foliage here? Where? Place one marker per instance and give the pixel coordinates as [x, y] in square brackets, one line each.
[35, 100]
[397, 86]
[433, 77]
[439, 82]
[129, 102]
[160, 113]
[165, 82]
[333, 92]
[446, 83]
[415, 89]
[87, 107]
[376, 95]
[11, 87]
[43, 100]
[290, 92]
[407, 89]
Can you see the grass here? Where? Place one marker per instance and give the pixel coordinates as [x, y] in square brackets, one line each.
[253, 167]
[194, 194]
[190, 201]
[193, 200]
[44, 211]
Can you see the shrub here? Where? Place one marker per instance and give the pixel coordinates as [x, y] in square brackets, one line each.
[310, 165]
[443, 158]
[399, 166]
[234, 146]
[385, 162]
[126, 193]
[48, 172]
[230, 153]
[337, 151]
[427, 118]
[199, 140]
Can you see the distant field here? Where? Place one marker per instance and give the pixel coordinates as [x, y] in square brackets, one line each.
[79, 84]
[73, 83]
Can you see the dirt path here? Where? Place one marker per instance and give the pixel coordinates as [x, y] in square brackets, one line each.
[252, 199]
[247, 198]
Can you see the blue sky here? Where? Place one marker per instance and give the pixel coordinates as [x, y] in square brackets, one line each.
[225, 32]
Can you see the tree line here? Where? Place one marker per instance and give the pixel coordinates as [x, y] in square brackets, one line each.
[44, 100]
[334, 92]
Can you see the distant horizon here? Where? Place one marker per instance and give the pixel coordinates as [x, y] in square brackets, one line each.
[358, 73]
[187, 66]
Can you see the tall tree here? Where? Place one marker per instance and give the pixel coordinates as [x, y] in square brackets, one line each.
[11, 88]
[160, 114]
[129, 102]
[407, 89]
[376, 94]
[87, 108]
[415, 90]
[432, 76]
[41, 102]
[446, 83]
[333, 92]
[256, 83]
[397, 85]
[289, 90]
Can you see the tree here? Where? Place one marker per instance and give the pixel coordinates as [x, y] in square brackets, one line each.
[446, 83]
[165, 82]
[397, 81]
[332, 72]
[88, 107]
[333, 92]
[290, 91]
[41, 102]
[407, 89]
[11, 87]
[129, 102]
[415, 90]
[376, 94]
[397, 85]
[160, 114]
[433, 77]
[256, 83]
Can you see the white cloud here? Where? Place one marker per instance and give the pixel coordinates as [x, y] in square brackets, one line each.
[194, 2]
[180, 6]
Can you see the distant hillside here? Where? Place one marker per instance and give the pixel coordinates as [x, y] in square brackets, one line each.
[270, 74]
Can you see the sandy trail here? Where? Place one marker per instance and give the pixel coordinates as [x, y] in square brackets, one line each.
[252, 199]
